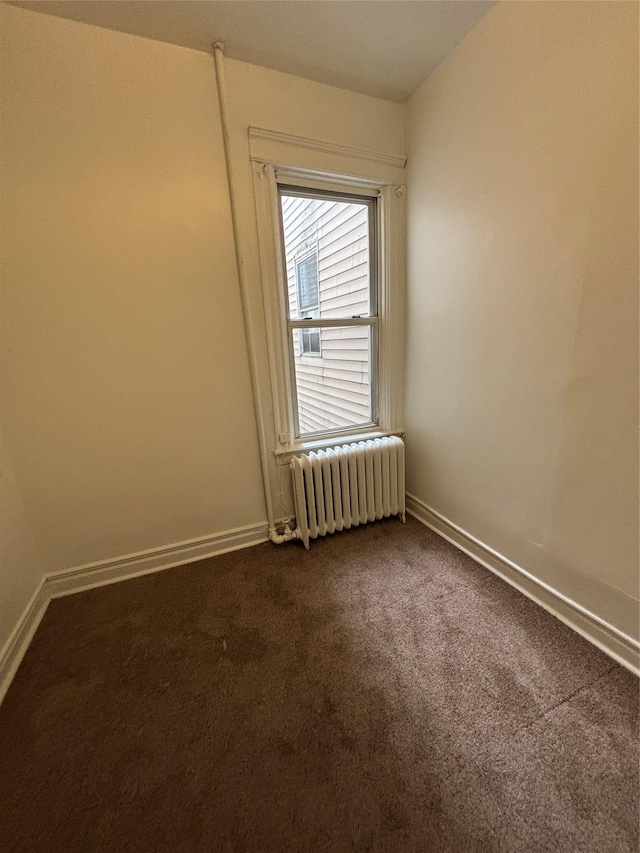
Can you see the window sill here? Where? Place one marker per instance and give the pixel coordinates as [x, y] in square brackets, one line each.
[284, 455]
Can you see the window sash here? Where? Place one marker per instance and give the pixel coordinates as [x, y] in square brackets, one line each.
[370, 319]
[373, 379]
[369, 201]
[332, 322]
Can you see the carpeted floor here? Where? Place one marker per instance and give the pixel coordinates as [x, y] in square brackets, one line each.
[381, 692]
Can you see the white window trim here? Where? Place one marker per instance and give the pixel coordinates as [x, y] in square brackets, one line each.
[390, 349]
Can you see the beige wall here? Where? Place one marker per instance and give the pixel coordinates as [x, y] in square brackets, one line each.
[126, 403]
[20, 563]
[260, 97]
[522, 382]
[127, 411]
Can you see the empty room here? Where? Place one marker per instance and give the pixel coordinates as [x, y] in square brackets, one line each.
[319, 426]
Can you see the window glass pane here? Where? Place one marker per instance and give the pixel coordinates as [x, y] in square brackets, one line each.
[307, 279]
[333, 386]
[310, 341]
[327, 257]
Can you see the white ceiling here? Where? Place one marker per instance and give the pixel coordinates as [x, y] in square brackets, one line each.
[384, 48]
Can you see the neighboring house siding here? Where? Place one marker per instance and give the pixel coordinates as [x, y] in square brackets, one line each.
[334, 387]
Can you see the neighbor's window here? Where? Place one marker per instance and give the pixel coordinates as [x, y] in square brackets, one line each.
[330, 248]
[308, 302]
[307, 281]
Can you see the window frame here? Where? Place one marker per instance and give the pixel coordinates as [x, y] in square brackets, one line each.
[389, 344]
[370, 319]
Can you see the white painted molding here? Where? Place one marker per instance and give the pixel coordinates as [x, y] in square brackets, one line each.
[19, 639]
[104, 572]
[398, 161]
[622, 648]
[81, 578]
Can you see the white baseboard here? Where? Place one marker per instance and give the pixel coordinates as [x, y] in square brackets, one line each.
[70, 581]
[19, 639]
[104, 572]
[622, 648]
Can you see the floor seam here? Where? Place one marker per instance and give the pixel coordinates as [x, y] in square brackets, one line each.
[451, 592]
[566, 699]
[471, 585]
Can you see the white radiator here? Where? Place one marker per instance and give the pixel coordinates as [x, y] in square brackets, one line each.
[346, 486]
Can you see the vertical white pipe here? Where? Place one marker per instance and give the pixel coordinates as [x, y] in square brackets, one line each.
[218, 56]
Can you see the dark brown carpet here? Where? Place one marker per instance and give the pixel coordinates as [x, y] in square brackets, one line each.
[381, 692]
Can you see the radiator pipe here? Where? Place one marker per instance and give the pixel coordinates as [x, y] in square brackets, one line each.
[289, 533]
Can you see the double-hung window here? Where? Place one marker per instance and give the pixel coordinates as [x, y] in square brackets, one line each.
[330, 258]
[332, 263]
